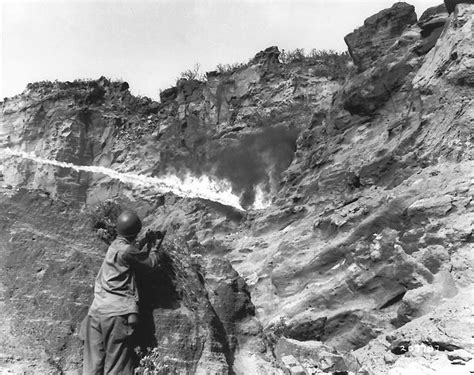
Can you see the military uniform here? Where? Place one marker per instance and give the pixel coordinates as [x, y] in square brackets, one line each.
[109, 325]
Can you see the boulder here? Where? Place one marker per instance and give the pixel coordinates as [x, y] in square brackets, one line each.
[433, 18]
[417, 302]
[168, 94]
[435, 257]
[371, 90]
[269, 56]
[431, 22]
[372, 40]
[383, 51]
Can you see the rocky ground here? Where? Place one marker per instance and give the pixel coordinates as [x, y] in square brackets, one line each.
[352, 249]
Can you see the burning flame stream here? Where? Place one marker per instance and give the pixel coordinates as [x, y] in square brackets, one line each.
[189, 186]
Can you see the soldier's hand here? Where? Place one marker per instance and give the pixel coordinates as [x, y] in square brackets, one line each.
[150, 236]
[159, 234]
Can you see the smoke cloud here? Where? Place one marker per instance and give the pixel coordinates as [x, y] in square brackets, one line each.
[254, 160]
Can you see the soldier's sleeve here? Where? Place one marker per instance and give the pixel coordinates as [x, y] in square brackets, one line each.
[140, 259]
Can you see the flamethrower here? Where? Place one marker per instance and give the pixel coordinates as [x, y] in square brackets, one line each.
[152, 236]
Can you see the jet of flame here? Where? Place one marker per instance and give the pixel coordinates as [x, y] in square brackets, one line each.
[189, 186]
[262, 200]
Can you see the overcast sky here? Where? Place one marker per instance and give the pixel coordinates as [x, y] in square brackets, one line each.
[149, 43]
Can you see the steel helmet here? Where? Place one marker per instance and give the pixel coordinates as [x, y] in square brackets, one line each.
[128, 224]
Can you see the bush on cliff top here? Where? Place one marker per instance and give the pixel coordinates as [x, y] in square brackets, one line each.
[329, 63]
[192, 74]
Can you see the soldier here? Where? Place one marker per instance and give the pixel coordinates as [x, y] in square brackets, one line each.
[113, 315]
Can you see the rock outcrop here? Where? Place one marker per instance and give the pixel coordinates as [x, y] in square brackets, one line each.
[349, 250]
[51, 249]
[371, 41]
[431, 22]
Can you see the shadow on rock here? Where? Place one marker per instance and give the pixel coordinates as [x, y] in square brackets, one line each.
[157, 291]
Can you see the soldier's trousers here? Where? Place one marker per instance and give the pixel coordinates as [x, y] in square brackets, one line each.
[108, 347]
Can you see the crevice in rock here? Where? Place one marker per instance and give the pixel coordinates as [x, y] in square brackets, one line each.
[305, 331]
[221, 336]
[393, 301]
[442, 346]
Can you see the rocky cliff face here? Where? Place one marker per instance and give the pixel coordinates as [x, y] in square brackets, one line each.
[315, 224]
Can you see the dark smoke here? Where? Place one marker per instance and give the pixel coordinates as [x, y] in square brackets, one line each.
[246, 160]
[252, 159]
